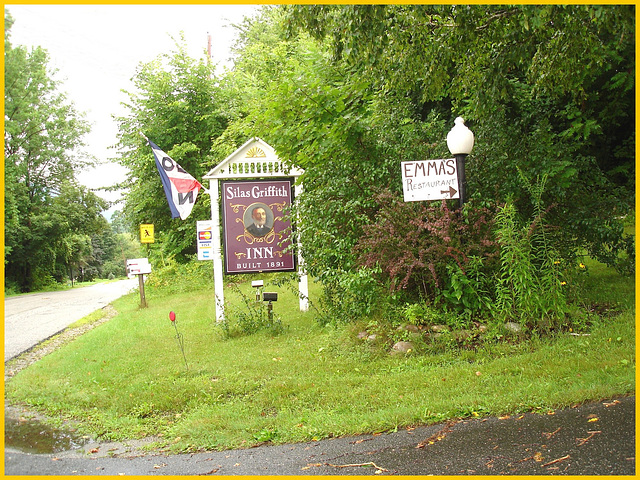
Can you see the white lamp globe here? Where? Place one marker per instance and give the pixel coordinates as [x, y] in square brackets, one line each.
[460, 138]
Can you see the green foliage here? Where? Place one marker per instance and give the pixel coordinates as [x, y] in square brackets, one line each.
[505, 68]
[467, 292]
[174, 103]
[348, 296]
[172, 276]
[46, 213]
[426, 315]
[45, 282]
[347, 92]
[529, 288]
[326, 118]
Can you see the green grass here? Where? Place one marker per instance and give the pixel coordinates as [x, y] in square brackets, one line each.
[604, 286]
[127, 378]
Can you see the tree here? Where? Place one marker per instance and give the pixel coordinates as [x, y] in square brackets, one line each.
[348, 92]
[43, 137]
[79, 212]
[549, 91]
[76, 252]
[119, 222]
[174, 103]
[325, 117]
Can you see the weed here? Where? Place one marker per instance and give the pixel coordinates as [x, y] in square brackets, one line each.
[249, 317]
[529, 288]
[265, 435]
[424, 314]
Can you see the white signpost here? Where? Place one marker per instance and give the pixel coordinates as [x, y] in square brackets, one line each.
[254, 160]
[430, 180]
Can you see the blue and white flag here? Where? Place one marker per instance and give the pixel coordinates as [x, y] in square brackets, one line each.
[180, 188]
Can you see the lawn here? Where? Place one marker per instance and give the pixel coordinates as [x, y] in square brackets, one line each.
[127, 378]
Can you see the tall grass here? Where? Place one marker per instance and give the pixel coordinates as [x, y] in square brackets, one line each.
[127, 377]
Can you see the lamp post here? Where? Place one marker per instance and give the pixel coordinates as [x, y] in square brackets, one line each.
[460, 143]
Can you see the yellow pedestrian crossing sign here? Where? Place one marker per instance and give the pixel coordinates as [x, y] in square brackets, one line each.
[146, 233]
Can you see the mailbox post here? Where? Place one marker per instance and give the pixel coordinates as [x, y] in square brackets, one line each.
[143, 299]
[139, 267]
[269, 297]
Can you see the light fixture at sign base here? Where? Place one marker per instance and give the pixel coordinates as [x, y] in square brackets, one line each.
[270, 297]
[257, 284]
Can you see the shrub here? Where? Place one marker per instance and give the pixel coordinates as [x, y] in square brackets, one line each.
[349, 296]
[423, 314]
[471, 292]
[113, 269]
[45, 283]
[426, 248]
[174, 277]
[11, 287]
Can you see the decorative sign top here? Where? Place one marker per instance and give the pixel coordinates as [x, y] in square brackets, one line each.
[256, 152]
[254, 159]
[430, 180]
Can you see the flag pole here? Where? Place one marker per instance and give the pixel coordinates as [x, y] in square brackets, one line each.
[213, 192]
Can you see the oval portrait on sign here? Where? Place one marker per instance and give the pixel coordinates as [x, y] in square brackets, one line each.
[258, 219]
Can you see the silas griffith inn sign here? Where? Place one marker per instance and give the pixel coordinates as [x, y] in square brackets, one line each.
[256, 226]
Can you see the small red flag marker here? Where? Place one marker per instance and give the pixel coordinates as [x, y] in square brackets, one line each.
[179, 337]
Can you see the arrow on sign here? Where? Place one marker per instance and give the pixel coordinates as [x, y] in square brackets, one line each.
[452, 191]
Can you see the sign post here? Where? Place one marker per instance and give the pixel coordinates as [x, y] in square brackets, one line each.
[139, 267]
[252, 161]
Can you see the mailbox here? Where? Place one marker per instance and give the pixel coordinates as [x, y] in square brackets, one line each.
[269, 297]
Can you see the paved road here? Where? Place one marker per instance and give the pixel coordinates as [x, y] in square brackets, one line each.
[30, 319]
[597, 438]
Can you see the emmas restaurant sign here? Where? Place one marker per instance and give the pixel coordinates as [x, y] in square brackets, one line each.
[430, 180]
[257, 230]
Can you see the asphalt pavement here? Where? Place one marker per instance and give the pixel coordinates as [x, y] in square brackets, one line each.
[33, 318]
[596, 438]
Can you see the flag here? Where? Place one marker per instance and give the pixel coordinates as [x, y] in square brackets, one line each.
[180, 188]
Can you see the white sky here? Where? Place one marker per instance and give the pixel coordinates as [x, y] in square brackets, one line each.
[96, 49]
